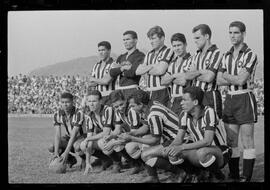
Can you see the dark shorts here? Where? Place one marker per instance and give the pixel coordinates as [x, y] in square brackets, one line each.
[175, 105]
[106, 100]
[227, 153]
[240, 109]
[128, 92]
[213, 99]
[162, 96]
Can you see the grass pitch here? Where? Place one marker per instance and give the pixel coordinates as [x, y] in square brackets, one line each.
[28, 156]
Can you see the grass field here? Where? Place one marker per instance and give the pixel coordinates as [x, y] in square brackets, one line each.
[28, 157]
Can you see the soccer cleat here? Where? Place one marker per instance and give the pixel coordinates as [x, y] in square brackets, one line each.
[116, 168]
[244, 179]
[71, 161]
[136, 170]
[96, 162]
[151, 179]
[106, 164]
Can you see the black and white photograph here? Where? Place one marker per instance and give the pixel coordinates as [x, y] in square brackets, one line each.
[135, 96]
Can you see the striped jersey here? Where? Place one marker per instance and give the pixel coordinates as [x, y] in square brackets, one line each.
[164, 54]
[246, 59]
[99, 71]
[95, 124]
[129, 120]
[76, 118]
[179, 65]
[163, 122]
[209, 61]
[206, 121]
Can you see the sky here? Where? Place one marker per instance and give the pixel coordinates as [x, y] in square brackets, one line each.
[40, 38]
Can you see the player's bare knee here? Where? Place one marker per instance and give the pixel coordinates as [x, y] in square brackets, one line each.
[202, 154]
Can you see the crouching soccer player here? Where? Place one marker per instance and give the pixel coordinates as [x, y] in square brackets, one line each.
[115, 146]
[208, 149]
[98, 125]
[67, 119]
[163, 124]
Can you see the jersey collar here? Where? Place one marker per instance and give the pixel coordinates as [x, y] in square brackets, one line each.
[213, 47]
[243, 49]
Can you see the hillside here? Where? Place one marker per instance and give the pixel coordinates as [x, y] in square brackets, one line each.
[83, 67]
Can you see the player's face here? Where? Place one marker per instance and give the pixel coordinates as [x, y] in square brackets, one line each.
[135, 106]
[156, 42]
[187, 103]
[129, 42]
[178, 47]
[236, 35]
[93, 102]
[66, 104]
[103, 52]
[119, 105]
[199, 39]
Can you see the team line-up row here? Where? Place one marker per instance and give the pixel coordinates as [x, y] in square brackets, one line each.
[175, 122]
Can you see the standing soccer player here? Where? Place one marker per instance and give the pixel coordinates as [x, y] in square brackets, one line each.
[100, 78]
[204, 67]
[180, 63]
[155, 65]
[237, 71]
[126, 65]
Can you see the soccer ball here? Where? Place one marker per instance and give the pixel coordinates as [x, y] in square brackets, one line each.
[57, 165]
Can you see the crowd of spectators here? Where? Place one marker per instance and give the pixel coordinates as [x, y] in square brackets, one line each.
[41, 94]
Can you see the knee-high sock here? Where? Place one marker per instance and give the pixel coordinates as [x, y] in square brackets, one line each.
[234, 163]
[116, 157]
[164, 164]
[152, 171]
[249, 156]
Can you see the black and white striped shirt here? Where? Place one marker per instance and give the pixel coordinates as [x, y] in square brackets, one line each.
[165, 54]
[210, 61]
[246, 59]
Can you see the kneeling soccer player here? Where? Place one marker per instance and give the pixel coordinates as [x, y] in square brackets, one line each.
[209, 149]
[98, 125]
[163, 124]
[69, 119]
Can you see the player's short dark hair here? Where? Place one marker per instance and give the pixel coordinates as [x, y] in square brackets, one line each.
[140, 96]
[132, 33]
[204, 28]
[238, 24]
[179, 37]
[196, 93]
[116, 96]
[106, 44]
[67, 95]
[155, 30]
[95, 93]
